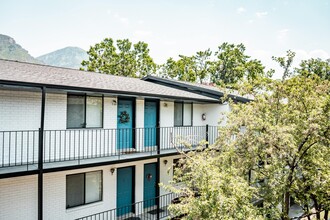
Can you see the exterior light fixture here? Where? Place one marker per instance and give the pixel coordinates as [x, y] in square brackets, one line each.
[203, 116]
[165, 162]
[165, 104]
[112, 170]
[114, 102]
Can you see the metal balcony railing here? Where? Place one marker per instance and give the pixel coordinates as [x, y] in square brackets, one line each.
[144, 210]
[79, 146]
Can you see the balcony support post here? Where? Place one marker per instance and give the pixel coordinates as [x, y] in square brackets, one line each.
[158, 171]
[207, 136]
[40, 154]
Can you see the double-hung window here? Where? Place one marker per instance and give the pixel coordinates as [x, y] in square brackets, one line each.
[182, 114]
[83, 188]
[84, 111]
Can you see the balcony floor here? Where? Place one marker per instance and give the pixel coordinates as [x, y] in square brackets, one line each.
[84, 161]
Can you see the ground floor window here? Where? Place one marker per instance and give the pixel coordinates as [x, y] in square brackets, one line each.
[83, 188]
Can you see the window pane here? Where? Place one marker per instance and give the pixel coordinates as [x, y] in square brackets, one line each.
[74, 190]
[187, 114]
[93, 186]
[76, 111]
[94, 112]
[178, 114]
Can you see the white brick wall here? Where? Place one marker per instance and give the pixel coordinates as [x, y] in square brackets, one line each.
[18, 198]
[55, 111]
[19, 110]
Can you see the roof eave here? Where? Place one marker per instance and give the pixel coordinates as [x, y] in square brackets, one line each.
[105, 91]
[209, 93]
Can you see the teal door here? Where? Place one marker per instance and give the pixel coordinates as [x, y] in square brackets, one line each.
[150, 184]
[150, 123]
[125, 185]
[125, 124]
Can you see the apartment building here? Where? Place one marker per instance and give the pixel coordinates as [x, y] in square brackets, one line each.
[83, 145]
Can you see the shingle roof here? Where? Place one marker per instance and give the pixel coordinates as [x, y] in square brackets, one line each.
[64, 78]
[207, 90]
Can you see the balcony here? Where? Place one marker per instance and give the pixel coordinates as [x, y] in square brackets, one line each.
[19, 150]
[144, 210]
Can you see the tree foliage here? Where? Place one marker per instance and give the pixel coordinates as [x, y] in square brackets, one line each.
[228, 66]
[122, 58]
[211, 189]
[232, 65]
[189, 68]
[315, 66]
[275, 147]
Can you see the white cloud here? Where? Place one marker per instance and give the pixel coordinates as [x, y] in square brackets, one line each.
[121, 19]
[142, 33]
[168, 42]
[304, 55]
[261, 14]
[240, 10]
[282, 34]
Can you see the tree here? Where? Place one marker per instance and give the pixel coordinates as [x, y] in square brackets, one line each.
[280, 151]
[189, 68]
[123, 59]
[232, 65]
[315, 66]
[211, 189]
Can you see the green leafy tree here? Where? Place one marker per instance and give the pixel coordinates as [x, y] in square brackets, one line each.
[189, 68]
[211, 188]
[286, 63]
[315, 66]
[233, 65]
[277, 147]
[123, 59]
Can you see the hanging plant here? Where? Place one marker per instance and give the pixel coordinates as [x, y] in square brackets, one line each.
[124, 117]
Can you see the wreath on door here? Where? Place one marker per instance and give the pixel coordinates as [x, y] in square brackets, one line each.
[124, 117]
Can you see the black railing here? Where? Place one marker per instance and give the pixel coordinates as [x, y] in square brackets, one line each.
[18, 148]
[144, 210]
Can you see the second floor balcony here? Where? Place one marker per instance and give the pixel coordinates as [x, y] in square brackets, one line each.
[19, 150]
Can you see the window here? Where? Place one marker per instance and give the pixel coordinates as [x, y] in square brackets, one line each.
[83, 188]
[84, 111]
[182, 114]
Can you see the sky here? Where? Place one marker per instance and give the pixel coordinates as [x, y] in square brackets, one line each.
[266, 27]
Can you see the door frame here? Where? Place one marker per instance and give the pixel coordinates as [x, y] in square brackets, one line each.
[133, 187]
[156, 186]
[133, 116]
[157, 109]
[157, 101]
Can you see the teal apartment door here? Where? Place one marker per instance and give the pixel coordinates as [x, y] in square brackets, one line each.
[150, 184]
[125, 184]
[125, 124]
[150, 123]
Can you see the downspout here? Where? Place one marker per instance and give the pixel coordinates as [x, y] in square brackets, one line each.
[40, 154]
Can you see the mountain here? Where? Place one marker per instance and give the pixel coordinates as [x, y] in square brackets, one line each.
[70, 57]
[10, 50]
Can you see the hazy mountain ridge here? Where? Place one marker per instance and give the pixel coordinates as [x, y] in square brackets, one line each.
[70, 57]
[10, 50]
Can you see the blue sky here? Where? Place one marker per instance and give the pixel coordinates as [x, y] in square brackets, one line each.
[172, 27]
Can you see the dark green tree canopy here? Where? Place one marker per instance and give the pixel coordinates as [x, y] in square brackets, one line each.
[194, 68]
[315, 66]
[122, 58]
